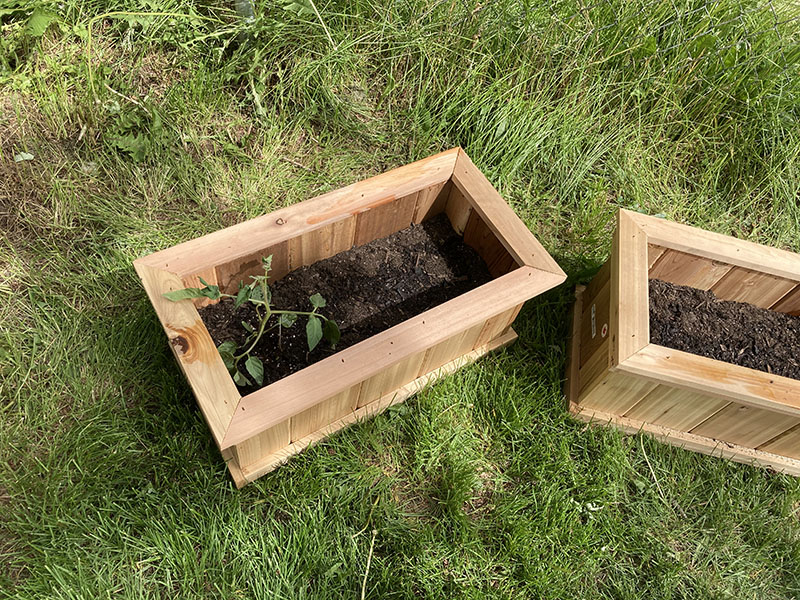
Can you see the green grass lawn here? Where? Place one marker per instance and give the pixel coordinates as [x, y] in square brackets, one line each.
[141, 131]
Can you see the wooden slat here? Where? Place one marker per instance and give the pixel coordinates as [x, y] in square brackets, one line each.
[321, 243]
[265, 443]
[745, 425]
[629, 320]
[389, 379]
[688, 441]
[790, 303]
[324, 413]
[386, 219]
[232, 273]
[499, 216]
[595, 323]
[269, 462]
[616, 394]
[593, 372]
[237, 242]
[479, 236]
[716, 378]
[431, 201]
[496, 326]
[719, 247]
[572, 383]
[786, 444]
[446, 350]
[654, 253]
[192, 345]
[675, 408]
[299, 391]
[681, 268]
[759, 289]
[458, 209]
[598, 282]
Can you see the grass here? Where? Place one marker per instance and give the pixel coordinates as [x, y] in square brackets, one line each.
[479, 487]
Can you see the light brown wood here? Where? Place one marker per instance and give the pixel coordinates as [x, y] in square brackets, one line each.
[617, 393]
[238, 271]
[500, 217]
[745, 425]
[251, 450]
[324, 413]
[431, 201]
[675, 408]
[595, 324]
[321, 243]
[192, 345]
[479, 236]
[692, 442]
[790, 303]
[194, 280]
[629, 319]
[383, 220]
[593, 372]
[444, 351]
[572, 383]
[716, 378]
[786, 444]
[299, 391]
[458, 209]
[390, 379]
[681, 268]
[759, 289]
[234, 243]
[719, 247]
[654, 253]
[269, 462]
[494, 327]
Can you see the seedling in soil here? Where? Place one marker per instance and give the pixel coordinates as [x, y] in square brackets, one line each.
[258, 293]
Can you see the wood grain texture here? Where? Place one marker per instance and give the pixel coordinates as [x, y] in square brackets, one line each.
[629, 319]
[572, 383]
[692, 442]
[231, 274]
[195, 280]
[192, 345]
[380, 221]
[595, 325]
[786, 444]
[790, 303]
[759, 289]
[253, 449]
[321, 243]
[595, 369]
[431, 201]
[500, 217]
[745, 425]
[675, 408]
[271, 461]
[445, 351]
[324, 413]
[458, 209]
[715, 378]
[390, 379]
[236, 242]
[617, 393]
[299, 391]
[681, 268]
[654, 253]
[480, 237]
[718, 247]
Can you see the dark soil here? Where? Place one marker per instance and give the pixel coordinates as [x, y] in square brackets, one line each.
[368, 289]
[697, 321]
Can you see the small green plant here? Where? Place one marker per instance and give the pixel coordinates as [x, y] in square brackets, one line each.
[258, 293]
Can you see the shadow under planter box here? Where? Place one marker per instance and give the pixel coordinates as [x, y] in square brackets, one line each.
[617, 376]
[258, 431]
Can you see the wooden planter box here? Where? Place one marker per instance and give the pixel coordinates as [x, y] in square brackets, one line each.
[617, 376]
[259, 431]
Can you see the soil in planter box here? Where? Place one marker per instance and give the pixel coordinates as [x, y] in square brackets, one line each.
[696, 321]
[368, 289]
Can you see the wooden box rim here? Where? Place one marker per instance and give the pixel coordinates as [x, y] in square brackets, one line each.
[629, 319]
[233, 418]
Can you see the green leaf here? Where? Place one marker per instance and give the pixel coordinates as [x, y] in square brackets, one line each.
[331, 333]
[242, 297]
[313, 332]
[287, 320]
[248, 327]
[240, 380]
[256, 294]
[184, 294]
[299, 8]
[256, 369]
[317, 301]
[210, 291]
[228, 359]
[23, 156]
[229, 347]
[267, 263]
[39, 21]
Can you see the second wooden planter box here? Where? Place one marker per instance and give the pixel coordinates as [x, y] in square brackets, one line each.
[260, 430]
[617, 376]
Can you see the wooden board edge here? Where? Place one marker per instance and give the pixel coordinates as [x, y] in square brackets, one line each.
[572, 383]
[689, 441]
[715, 378]
[295, 393]
[278, 226]
[274, 460]
[194, 350]
[719, 247]
[629, 332]
[515, 236]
